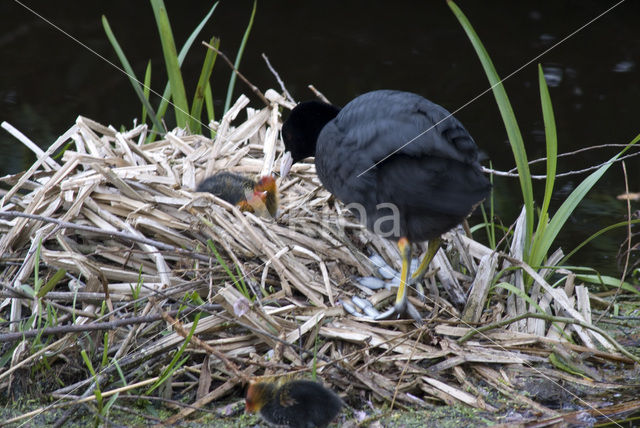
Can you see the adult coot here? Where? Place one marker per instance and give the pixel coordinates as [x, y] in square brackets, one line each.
[403, 164]
[260, 197]
[296, 403]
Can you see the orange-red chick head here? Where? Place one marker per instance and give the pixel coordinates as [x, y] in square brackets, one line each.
[266, 193]
[258, 394]
[266, 184]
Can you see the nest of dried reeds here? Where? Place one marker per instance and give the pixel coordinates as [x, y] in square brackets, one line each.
[120, 220]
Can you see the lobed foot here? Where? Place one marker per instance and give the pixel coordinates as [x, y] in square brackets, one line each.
[392, 280]
[396, 312]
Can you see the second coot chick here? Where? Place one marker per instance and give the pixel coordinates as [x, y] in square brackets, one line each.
[243, 192]
[293, 404]
[402, 163]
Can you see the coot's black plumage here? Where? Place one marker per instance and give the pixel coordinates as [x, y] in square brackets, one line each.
[233, 188]
[248, 195]
[293, 404]
[388, 150]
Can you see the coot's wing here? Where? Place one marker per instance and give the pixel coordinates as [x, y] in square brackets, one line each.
[338, 164]
[380, 123]
[427, 184]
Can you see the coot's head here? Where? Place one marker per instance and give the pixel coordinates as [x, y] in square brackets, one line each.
[301, 129]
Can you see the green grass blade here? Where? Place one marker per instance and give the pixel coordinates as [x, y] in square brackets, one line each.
[570, 204]
[178, 94]
[175, 364]
[164, 103]
[8, 355]
[203, 82]
[194, 34]
[601, 280]
[551, 138]
[105, 349]
[508, 117]
[28, 289]
[52, 282]
[36, 269]
[243, 286]
[314, 364]
[146, 89]
[129, 70]
[213, 248]
[594, 236]
[522, 295]
[123, 379]
[232, 80]
[208, 99]
[111, 402]
[489, 220]
[608, 281]
[87, 362]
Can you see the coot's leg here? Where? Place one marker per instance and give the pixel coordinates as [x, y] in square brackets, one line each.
[402, 305]
[432, 249]
[401, 298]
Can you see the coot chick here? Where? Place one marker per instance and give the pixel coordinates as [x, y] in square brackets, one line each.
[243, 192]
[294, 404]
[403, 164]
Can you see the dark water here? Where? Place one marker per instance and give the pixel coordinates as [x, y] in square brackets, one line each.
[347, 48]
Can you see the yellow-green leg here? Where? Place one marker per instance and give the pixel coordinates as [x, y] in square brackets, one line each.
[432, 249]
[402, 305]
[401, 298]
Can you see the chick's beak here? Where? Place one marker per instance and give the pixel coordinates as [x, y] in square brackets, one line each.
[285, 164]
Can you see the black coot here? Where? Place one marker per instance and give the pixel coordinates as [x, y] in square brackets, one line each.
[402, 163]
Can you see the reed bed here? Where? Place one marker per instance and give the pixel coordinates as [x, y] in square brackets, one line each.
[112, 238]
